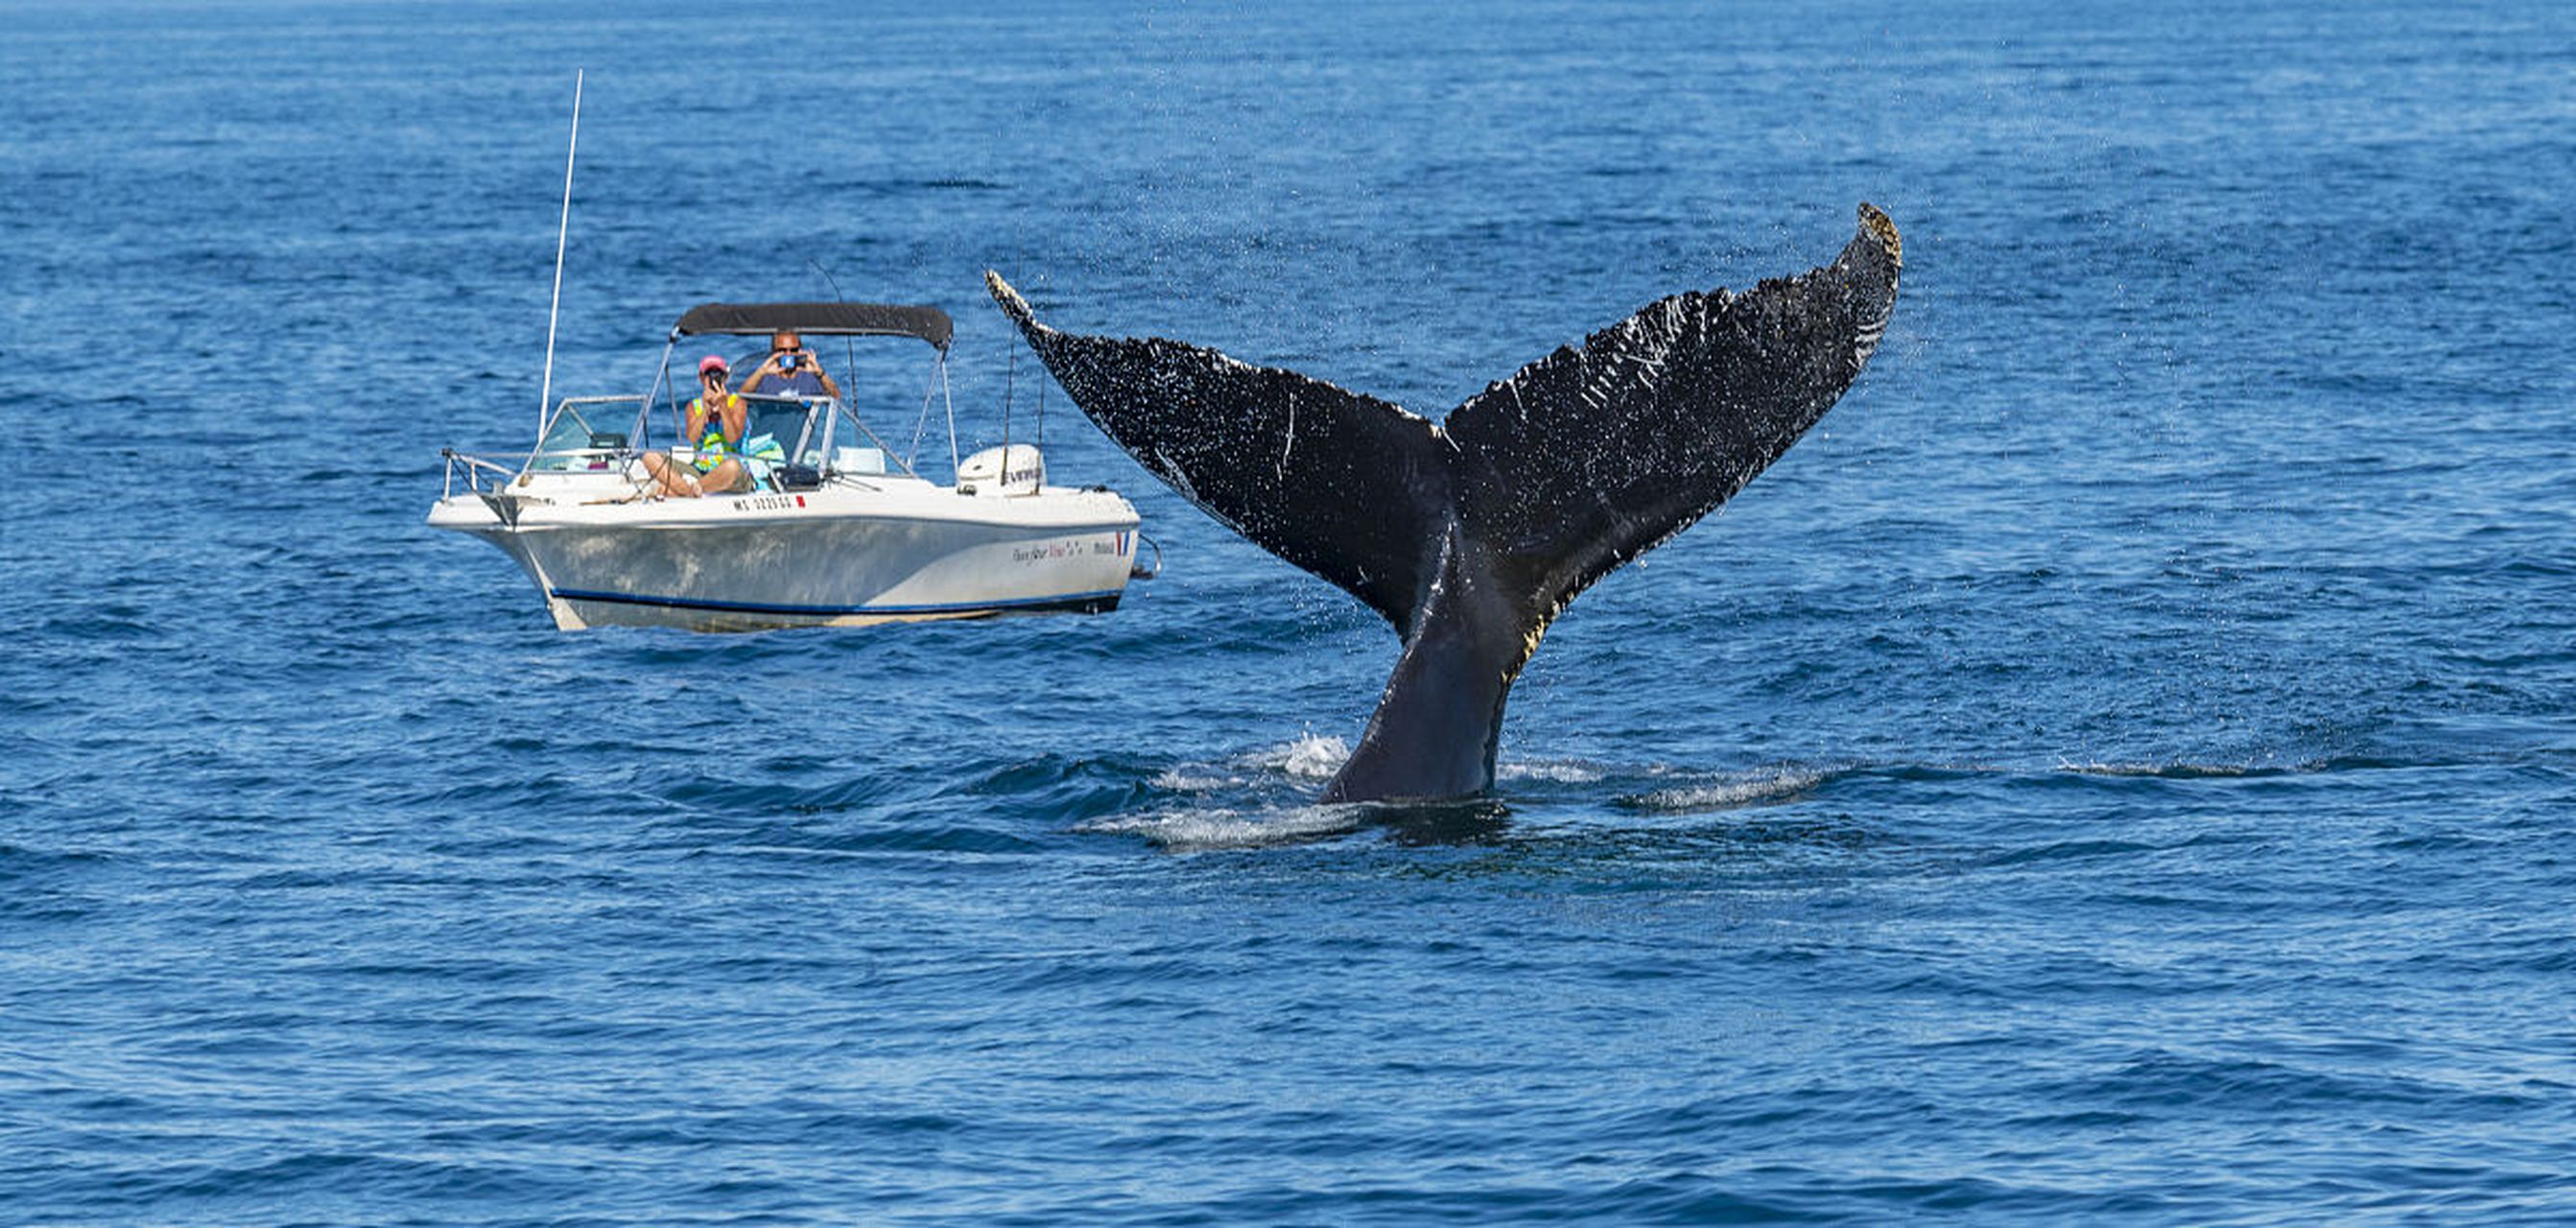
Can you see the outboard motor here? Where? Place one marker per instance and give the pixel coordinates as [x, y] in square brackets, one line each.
[1013, 470]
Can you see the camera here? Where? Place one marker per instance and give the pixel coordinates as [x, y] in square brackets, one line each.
[787, 362]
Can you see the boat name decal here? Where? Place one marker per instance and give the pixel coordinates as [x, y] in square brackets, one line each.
[1037, 551]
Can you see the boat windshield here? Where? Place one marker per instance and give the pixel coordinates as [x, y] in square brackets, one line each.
[596, 434]
[786, 421]
[587, 433]
[819, 433]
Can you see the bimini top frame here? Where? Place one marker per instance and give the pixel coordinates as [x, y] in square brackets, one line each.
[818, 320]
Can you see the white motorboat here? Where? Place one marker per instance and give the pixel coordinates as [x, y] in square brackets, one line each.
[840, 531]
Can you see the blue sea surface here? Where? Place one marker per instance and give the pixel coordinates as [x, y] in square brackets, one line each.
[2119, 767]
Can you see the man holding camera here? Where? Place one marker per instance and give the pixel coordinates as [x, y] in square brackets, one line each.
[791, 370]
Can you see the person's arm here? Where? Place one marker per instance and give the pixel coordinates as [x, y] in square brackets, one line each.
[768, 367]
[824, 374]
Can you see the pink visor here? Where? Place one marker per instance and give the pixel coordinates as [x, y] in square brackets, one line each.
[712, 363]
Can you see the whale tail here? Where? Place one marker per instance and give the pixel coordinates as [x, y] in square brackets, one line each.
[1469, 537]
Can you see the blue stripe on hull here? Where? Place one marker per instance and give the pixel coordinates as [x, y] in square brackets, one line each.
[834, 611]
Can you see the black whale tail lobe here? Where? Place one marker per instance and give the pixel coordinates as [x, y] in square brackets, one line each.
[1471, 536]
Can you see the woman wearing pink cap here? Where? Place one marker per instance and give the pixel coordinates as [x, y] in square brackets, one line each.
[716, 420]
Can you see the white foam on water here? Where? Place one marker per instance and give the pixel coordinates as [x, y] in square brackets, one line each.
[1223, 828]
[1750, 788]
[1560, 772]
[1195, 778]
[2168, 771]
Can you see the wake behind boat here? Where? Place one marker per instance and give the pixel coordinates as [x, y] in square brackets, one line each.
[833, 528]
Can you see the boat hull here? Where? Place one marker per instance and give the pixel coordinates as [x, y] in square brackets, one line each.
[828, 558]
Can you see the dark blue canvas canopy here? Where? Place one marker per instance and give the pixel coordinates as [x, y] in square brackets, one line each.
[817, 320]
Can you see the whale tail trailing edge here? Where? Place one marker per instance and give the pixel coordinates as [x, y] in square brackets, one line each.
[1469, 538]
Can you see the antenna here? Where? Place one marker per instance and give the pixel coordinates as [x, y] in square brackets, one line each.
[546, 392]
[849, 345]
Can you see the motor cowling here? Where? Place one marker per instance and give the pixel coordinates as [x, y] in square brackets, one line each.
[1013, 470]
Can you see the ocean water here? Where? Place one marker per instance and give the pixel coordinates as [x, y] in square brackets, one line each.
[2119, 767]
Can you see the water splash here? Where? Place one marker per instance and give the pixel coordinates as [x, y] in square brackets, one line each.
[1309, 757]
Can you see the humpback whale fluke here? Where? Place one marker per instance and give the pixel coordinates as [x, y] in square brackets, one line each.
[1470, 537]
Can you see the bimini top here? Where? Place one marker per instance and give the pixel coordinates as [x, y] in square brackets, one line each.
[817, 320]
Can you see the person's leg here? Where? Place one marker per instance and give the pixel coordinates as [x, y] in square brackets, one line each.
[728, 477]
[673, 479]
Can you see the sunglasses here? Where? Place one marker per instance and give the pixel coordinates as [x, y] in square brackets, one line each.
[713, 377]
